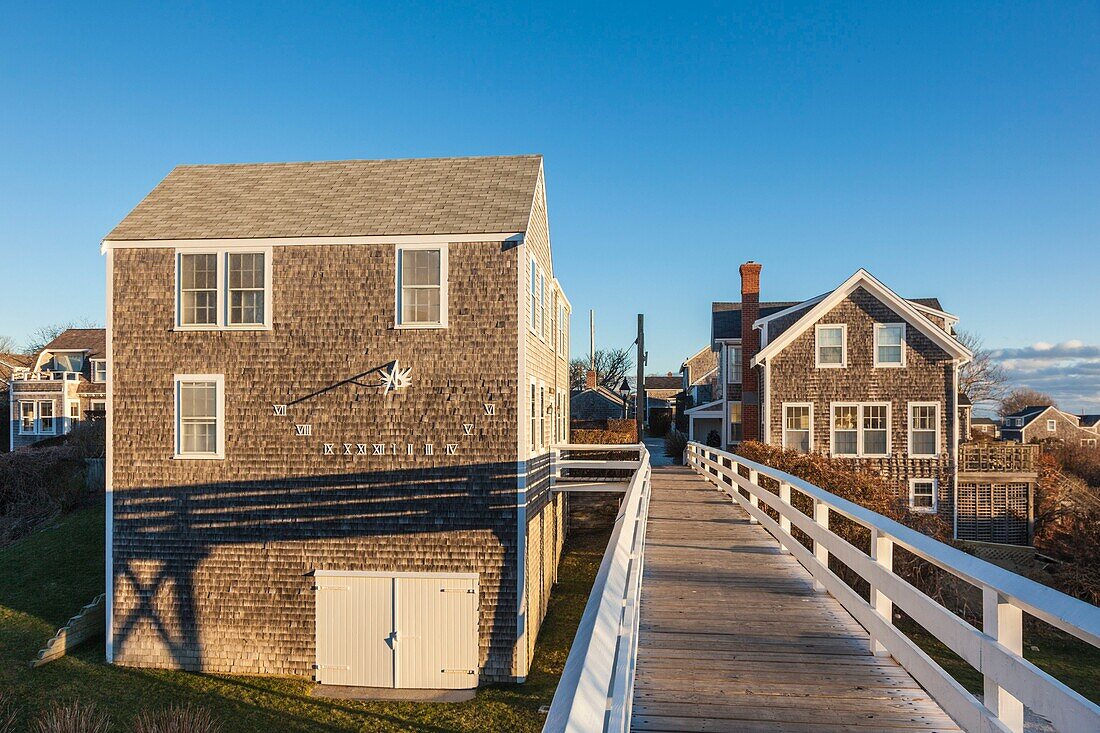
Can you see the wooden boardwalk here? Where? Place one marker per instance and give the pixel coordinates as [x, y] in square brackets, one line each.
[734, 638]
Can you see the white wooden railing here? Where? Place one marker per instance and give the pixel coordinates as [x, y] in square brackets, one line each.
[996, 651]
[24, 374]
[596, 689]
[566, 458]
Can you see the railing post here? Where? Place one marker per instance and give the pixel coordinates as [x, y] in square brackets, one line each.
[882, 552]
[784, 520]
[1005, 623]
[754, 478]
[821, 516]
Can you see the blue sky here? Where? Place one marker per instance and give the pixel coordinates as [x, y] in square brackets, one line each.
[953, 151]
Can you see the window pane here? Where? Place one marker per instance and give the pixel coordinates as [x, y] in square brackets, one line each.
[924, 442]
[420, 305]
[889, 354]
[26, 411]
[830, 337]
[246, 306]
[845, 418]
[199, 437]
[736, 422]
[198, 272]
[420, 267]
[831, 355]
[845, 442]
[246, 270]
[923, 494]
[198, 400]
[798, 418]
[889, 335]
[874, 442]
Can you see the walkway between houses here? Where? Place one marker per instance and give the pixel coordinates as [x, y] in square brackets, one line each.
[734, 638]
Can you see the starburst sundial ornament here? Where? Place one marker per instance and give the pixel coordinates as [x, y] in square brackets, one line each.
[395, 379]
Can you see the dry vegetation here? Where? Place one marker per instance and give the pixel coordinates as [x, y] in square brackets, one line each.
[1067, 519]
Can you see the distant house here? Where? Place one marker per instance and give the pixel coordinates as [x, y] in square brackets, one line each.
[699, 375]
[985, 426]
[1040, 423]
[660, 393]
[596, 403]
[64, 383]
[9, 364]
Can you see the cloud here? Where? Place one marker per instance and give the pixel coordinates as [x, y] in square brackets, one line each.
[1069, 372]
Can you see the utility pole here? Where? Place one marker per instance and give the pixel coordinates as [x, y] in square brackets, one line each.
[639, 389]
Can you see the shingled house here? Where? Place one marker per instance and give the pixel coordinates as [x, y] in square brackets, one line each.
[52, 391]
[334, 390]
[1040, 423]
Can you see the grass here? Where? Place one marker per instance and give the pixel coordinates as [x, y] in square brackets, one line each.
[46, 577]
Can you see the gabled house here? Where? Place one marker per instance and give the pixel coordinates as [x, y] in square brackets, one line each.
[986, 427]
[334, 390]
[660, 394]
[62, 384]
[699, 373]
[1040, 423]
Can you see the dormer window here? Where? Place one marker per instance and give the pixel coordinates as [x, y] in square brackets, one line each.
[832, 346]
[66, 362]
[99, 370]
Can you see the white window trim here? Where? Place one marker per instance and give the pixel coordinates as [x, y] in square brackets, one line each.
[1088, 442]
[34, 416]
[444, 286]
[38, 429]
[1052, 426]
[889, 430]
[532, 419]
[909, 431]
[843, 346]
[733, 376]
[832, 429]
[810, 441]
[889, 364]
[69, 410]
[92, 405]
[563, 319]
[935, 496]
[532, 286]
[543, 329]
[94, 362]
[219, 380]
[221, 311]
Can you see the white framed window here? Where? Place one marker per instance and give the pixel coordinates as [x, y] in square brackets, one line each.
[99, 370]
[98, 406]
[922, 494]
[422, 286]
[563, 317]
[924, 429]
[74, 410]
[798, 422]
[70, 362]
[889, 344]
[46, 425]
[27, 417]
[200, 415]
[1052, 426]
[733, 365]
[544, 310]
[874, 434]
[844, 438]
[737, 423]
[534, 417]
[534, 288]
[542, 414]
[831, 346]
[1088, 442]
[860, 429]
[223, 289]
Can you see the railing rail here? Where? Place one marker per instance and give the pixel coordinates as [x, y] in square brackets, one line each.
[998, 457]
[596, 689]
[24, 374]
[996, 651]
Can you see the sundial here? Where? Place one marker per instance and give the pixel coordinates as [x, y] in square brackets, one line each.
[392, 379]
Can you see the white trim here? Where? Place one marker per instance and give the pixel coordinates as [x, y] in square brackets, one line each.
[522, 463]
[93, 362]
[862, 278]
[766, 388]
[950, 318]
[444, 285]
[863, 453]
[1052, 426]
[532, 282]
[219, 415]
[111, 244]
[221, 303]
[783, 424]
[393, 574]
[706, 407]
[935, 495]
[817, 346]
[763, 321]
[832, 428]
[109, 479]
[878, 327]
[909, 429]
[729, 351]
[33, 416]
[39, 430]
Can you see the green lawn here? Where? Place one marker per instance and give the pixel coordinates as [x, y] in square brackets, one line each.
[48, 576]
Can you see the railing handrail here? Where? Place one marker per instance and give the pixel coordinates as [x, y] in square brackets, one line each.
[996, 652]
[596, 689]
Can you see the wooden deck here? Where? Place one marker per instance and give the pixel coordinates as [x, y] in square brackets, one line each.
[734, 638]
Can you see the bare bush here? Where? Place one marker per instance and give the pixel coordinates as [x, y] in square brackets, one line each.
[675, 445]
[74, 717]
[1067, 527]
[36, 485]
[177, 719]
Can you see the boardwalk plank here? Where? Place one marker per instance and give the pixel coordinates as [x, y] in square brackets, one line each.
[734, 638]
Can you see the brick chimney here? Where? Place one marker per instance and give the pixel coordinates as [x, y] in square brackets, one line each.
[750, 345]
[590, 379]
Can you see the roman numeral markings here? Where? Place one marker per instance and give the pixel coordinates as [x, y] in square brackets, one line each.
[330, 449]
[468, 428]
[303, 430]
[361, 449]
[452, 448]
[347, 449]
[428, 449]
[280, 410]
[490, 408]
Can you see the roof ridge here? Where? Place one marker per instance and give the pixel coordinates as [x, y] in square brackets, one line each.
[280, 163]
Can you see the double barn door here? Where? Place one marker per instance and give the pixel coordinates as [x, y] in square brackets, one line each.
[405, 630]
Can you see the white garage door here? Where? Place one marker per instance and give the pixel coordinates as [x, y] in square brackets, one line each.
[410, 630]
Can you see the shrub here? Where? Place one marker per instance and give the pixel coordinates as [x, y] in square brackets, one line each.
[714, 440]
[659, 424]
[73, 717]
[1080, 460]
[675, 445]
[173, 719]
[1067, 527]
